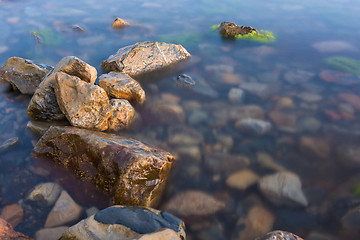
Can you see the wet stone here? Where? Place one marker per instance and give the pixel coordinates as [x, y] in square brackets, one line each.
[236, 95]
[45, 193]
[50, 233]
[280, 235]
[184, 80]
[122, 116]
[119, 23]
[315, 146]
[7, 232]
[242, 179]
[230, 30]
[298, 76]
[261, 90]
[253, 126]
[23, 74]
[9, 143]
[13, 214]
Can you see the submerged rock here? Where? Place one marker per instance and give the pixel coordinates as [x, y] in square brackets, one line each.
[280, 235]
[122, 86]
[45, 193]
[119, 23]
[184, 80]
[23, 74]
[9, 143]
[43, 104]
[7, 232]
[144, 57]
[132, 172]
[85, 105]
[242, 179]
[120, 222]
[13, 214]
[230, 30]
[50, 233]
[253, 126]
[283, 188]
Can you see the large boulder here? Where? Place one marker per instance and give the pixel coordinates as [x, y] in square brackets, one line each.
[144, 57]
[85, 105]
[132, 172]
[43, 104]
[122, 86]
[120, 222]
[23, 74]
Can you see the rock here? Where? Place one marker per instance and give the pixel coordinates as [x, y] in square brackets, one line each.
[261, 90]
[348, 155]
[193, 203]
[351, 220]
[280, 235]
[253, 126]
[202, 88]
[119, 23]
[243, 112]
[224, 143]
[185, 136]
[50, 233]
[91, 211]
[89, 109]
[122, 116]
[230, 30]
[334, 46]
[225, 163]
[285, 102]
[23, 74]
[167, 113]
[284, 121]
[283, 188]
[315, 146]
[309, 97]
[9, 143]
[13, 214]
[144, 57]
[40, 127]
[64, 211]
[242, 179]
[259, 221]
[43, 104]
[236, 95]
[7, 232]
[122, 86]
[337, 77]
[111, 162]
[308, 124]
[120, 222]
[197, 117]
[45, 194]
[352, 99]
[298, 76]
[266, 161]
[184, 80]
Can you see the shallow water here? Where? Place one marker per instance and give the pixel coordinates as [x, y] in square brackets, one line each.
[289, 69]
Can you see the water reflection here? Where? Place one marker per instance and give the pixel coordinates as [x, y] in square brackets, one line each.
[314, 129]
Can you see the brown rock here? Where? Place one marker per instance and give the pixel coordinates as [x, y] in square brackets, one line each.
[85, 105]
[13, 214]
[23, 74]
[284, 121]
[352, 99]
[65, 211]
[167, 112]
[230, 30]
[122, 86]
[122, 116]
[193, 203]
[242, 179]
[132, 172]
[43, 104]
[315, 146]
[8, 233]
[144, 57]
[119, 23]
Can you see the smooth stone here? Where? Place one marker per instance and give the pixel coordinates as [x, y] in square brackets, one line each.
[197, 117]
[144, 57]
[119, 23]
[121, 222]
[23, 74]
[224, 143]
[189, 152]
[253, 126]
[122, 86]
[45, 194]
[320, 236]
[193, 203]
[308, 124]
[258, 221]
[65, 211]
[186, 137]
[283, 189]
[122, 116]
[352, 99]
[285, 102]
[280, 235]
[91, 211]
[315, 146]
[348, 155]
[309, 97]
[283, 121]
[50, 233]
[9, 143]
[111, 162]
[13, 214]
[236, 95]
[298, 76]
[232, 78]
[261, 90]
[243, 112]
[89, 109]
[225, 163]
[7, 232]
[43, 105]
[334, 46]
[242, 179]
[167, 113]
[267, 161]
[40, 127]
[202, 88]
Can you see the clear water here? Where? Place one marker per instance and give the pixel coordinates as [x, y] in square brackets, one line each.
[298, 26]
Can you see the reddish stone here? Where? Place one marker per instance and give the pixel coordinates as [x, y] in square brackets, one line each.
[13, 214]
[352, 99]
[7, 232]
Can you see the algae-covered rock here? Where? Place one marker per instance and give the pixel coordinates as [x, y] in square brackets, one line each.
[144, 57]
[344, 64]
[132, 172]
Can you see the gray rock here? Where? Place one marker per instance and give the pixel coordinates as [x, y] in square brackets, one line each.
[308, 124]
[23, 74]
[122, 116]
[167, 112]
[348, 155]
[120, 222]
[45, 193]
[144, 57]
[261, 90]
[50, 233]
[253, 126]
[122, 86]
[9, 143]
[283, 188]
[43, 104]
[236, 95]
[85, 105]
[66, 210]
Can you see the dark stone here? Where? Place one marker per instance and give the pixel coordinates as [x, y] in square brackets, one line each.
[230, 30]
[132, 172]
[138, 219]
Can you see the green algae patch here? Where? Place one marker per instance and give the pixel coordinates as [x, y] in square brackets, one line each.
[261, 36]
[48, 37]
[344, 64]
[215, 27]
[185, 39]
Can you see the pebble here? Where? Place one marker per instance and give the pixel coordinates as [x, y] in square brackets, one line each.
[315, 146]
[352, 99]
[232, 78]
[236, 95]
[308, 124]
[224, 143]
[64, 211]
[261, 90]
[193, 203]
[197, 117]
[50, 233]
[91, 211]
[253, 126]
[119, 23]
[45, 193]
[284, 121]
[242, 179]
[285, 102]
[348, 155]
[267, 161]
[9, 143]
[13, 214]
